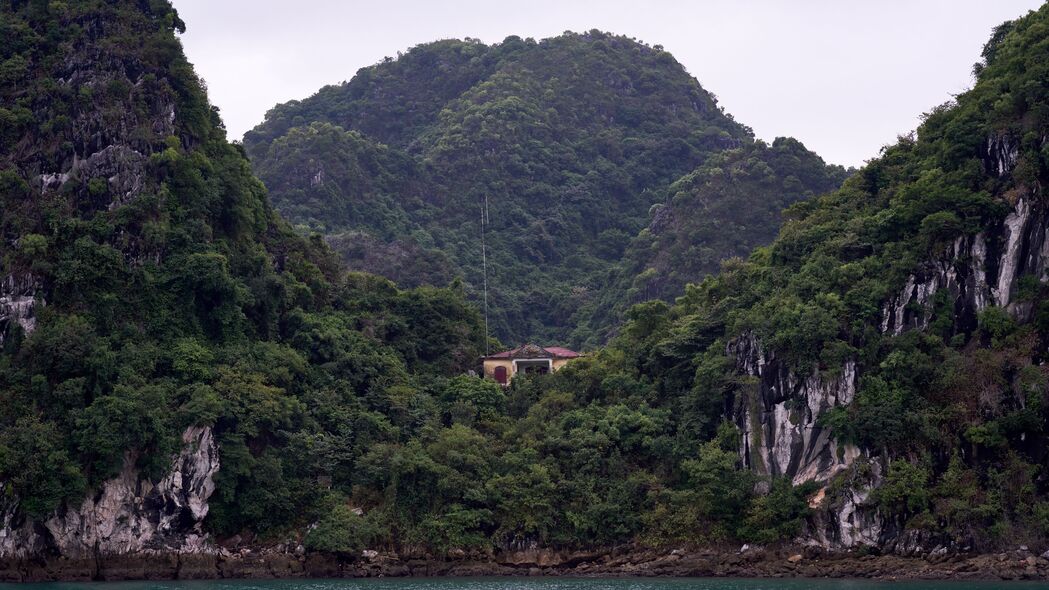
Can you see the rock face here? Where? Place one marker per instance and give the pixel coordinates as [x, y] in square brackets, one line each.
[128, 515]
[976, 272]
[778, 415]
[126, 114]
[119, 165]
[18, 303]
[778, 418]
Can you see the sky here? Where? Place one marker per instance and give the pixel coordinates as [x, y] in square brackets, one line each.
[845, 77]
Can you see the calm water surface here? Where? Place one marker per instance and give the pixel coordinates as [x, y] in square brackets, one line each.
[531, 584]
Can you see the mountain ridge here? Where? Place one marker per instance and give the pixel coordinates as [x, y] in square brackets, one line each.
[568, 141]
[185, 378]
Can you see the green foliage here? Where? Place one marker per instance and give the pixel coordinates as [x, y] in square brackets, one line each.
[129, 418]
[996, 323]
[472, 399]
[724, 208]
[940, 226]
[906, 488]
[944, 394]
[778, 515]
[185, 301]
[341, 531]
[189, 302]
[38, 467]
[565, 144]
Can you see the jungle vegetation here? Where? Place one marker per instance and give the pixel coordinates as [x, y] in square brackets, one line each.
[186, 299]
[571, 146]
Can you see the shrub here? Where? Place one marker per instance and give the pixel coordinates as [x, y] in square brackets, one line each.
[342, 531]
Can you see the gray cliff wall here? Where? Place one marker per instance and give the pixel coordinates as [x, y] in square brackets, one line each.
[128, 515]
[778, 414]
[18, 303]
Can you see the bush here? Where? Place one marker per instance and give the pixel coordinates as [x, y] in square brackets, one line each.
[940, 226]
[778, 515]
[37, 468]
[996, 323]
[342, 531]
[906, 488]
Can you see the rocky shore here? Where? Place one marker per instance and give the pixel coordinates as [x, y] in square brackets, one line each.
[626, 561]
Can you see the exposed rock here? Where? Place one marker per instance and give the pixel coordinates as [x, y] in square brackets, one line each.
[18, 303]
[539, 557]
[778, 414]
[977, 271]
[633, 561]
[816, 500]
[781, 435]
[857, 524]
[1003, 150]
[122, 167]
[128, 515]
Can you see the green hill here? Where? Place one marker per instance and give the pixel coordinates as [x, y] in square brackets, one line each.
[871, 381]
[720, 210]
[887, 350]
[566, 143]
[149, 287]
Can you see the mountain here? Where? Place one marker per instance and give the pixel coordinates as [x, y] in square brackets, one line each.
[721, 210]
[884, 357]
[190, 388]
[555, 150]
[170, 350]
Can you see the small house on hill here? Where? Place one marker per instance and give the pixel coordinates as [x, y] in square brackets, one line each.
[529, 358]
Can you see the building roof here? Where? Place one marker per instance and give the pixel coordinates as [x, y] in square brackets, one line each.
[531, 351]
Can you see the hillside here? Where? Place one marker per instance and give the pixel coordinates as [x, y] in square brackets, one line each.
[158, 320]
[721, 210]
[190, 388]
[566, 143]
[885, 355]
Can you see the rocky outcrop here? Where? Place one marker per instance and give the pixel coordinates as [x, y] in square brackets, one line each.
[779, 415]
[635, 561]
[844, 518]
[1003, 151]
[129, 514]
[126, 112]
[120, 166]
[976, 272]
[18, 301]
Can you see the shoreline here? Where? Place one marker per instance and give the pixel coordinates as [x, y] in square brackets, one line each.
[757, 563]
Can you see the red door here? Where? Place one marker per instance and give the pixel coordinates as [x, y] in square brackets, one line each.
[500, 375]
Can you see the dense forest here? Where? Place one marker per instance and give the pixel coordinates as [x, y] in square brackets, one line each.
[165, 292]
[921, 285]
[570, 147]
[884, 354]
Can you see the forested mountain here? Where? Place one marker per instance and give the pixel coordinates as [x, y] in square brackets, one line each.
[722, 209]
[566, 145]
[885, 354]
[151, 300]
[180, 369]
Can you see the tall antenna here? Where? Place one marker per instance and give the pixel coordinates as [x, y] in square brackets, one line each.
[484, 270]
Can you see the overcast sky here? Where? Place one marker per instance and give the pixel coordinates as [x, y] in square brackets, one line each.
[845, 77]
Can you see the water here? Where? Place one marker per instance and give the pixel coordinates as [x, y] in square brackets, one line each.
[534, 584]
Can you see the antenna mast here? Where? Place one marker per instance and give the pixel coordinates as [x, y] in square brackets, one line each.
[484, 270]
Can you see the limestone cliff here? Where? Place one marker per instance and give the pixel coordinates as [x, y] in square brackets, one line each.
[18, 304]
[779, 415]
[129, 514]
